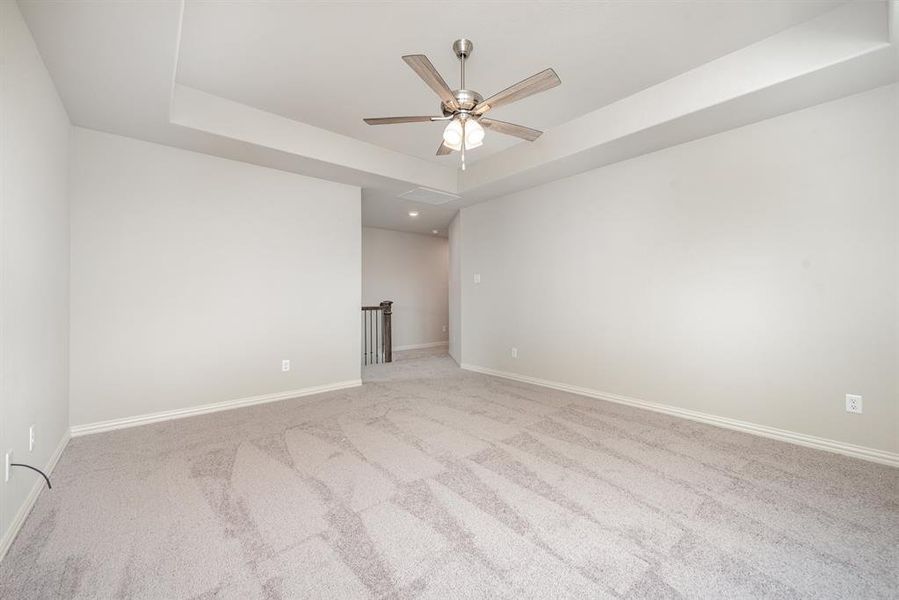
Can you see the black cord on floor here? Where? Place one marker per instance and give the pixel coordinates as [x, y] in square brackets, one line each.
[47, 479]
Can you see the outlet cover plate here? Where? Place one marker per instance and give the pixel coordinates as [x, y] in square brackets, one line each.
[853, 403]
[6, 467]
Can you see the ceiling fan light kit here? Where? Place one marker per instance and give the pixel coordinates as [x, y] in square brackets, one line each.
[464, 109]
[453, 134]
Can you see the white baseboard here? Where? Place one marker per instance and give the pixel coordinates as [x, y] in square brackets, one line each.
[180, 413]
[810, 441]
[420, 346]
[17, 522]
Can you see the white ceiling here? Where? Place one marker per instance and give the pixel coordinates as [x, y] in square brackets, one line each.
[330, 64]
[286, 84]
[387, 211]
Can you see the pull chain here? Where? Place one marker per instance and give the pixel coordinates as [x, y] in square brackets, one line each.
[463, 121]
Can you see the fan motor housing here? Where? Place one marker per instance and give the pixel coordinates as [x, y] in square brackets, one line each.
[467, 100]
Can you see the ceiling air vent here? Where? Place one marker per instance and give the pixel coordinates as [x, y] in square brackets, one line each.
[427, 196]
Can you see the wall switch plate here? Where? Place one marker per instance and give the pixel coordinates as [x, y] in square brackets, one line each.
[477, 278]
[285, 365]
[514, 352]
[6, 467]
[31, 438]
[853, 403]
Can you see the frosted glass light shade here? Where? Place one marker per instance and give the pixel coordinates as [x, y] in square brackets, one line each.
[474, 134]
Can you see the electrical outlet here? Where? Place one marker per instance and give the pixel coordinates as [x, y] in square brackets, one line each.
[444, 329]
[514, 352]
[853, 403]
[477, 278]
[31, 438]
[6, 465]
[285, 365]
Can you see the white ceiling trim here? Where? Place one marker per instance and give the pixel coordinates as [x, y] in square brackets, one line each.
[116, 68]
[854, 35]
[212, 114]
[894, 24]
[848, 47]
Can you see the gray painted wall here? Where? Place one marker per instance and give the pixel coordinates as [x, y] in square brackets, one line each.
[194, 276]
[750, 275]
[34, 263]
[455, 288]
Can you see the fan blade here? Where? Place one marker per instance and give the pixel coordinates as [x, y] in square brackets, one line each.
[393, 120]
[443, 150]
[519, 131]
[540, 82]
[424, 69]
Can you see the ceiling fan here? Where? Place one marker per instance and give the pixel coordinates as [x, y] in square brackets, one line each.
[465, 109]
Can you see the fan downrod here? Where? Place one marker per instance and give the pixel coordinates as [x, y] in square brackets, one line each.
[466, 100]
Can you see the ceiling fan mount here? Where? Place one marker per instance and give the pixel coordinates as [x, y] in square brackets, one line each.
[463, 48]
[463, 109]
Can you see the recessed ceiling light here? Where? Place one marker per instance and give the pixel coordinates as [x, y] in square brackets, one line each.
[413, 213]
[434, 231]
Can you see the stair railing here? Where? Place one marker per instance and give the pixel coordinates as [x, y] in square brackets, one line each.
[377, 345]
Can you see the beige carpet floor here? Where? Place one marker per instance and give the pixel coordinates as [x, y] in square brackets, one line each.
[432, 482]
